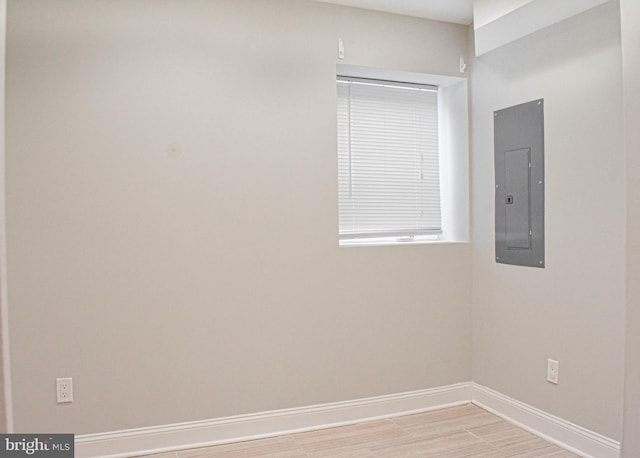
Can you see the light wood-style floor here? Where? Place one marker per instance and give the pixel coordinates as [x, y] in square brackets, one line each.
[461, 431]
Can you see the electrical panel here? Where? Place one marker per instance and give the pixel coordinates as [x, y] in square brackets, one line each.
[519, 198]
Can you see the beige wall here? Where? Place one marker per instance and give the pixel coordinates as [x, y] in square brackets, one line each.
[172, 215]
[574, 309]
[630, 16]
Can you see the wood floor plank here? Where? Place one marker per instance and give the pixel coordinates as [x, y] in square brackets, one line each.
[458, 443]
[161, 455]
[349, 435]
[354, 451]
[511, 440]
[562, 454]
[280, 446]
[438, 422]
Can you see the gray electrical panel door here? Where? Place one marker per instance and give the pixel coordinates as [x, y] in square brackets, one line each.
[519, 199]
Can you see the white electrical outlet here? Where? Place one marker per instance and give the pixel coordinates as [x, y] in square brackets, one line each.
[552, 371]
[64, 389]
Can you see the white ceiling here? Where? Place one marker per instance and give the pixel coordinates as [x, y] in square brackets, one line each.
[458, 11]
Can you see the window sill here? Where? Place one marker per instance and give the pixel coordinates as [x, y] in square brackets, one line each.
[388, 241]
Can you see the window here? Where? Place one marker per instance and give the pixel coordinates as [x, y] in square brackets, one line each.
[388, 161]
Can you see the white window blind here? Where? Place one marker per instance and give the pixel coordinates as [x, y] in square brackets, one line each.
[388, 159]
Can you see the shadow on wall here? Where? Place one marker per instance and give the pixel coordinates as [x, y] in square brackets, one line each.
[512, 61]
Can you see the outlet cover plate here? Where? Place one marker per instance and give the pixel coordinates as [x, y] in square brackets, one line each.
[64, 389]
[552, 371]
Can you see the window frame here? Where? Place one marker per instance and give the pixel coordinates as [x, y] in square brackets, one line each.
[385, 150]
[453, 149]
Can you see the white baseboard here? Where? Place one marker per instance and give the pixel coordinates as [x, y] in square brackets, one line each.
[253, 426]
[561, 432]
[243, 427]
